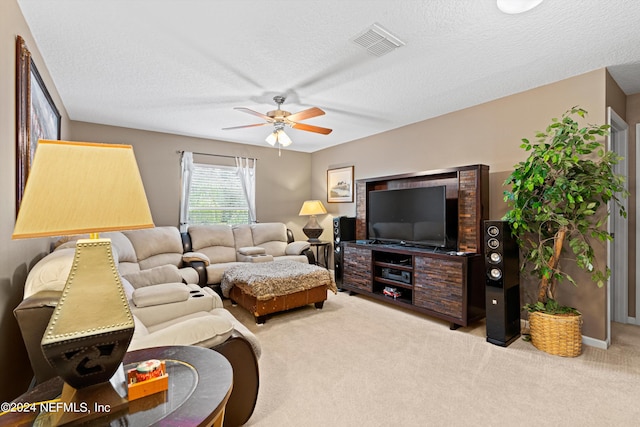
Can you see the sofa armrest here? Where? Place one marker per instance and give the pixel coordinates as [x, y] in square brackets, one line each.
[246, 379]
[200, 299]
[201, 268]
[186, 241]
[189, 257]
[154, 276]
[310, 256]
[199, 262]
[165, 293]
[204, 331]
[33, 315]
[297, 248]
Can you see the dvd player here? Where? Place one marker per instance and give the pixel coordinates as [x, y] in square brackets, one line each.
[397, 275]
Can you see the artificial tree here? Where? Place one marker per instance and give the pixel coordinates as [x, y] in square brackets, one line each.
[559, 200]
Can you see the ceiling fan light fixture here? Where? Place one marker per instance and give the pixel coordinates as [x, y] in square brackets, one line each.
[278, 137]
[517, 6]
[283, 138]
[272, 138]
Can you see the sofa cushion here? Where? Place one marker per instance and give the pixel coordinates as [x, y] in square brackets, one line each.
[51, 272]
[242, 236]
[128, 267]
[160, 294]
[215, 271]
[156, 246]
[214, 241]
[154, 276]
[251, 250]
[122, 245]
[140, 330]
[202, 329]
[189, 275]
[272, 236]
[299, 258]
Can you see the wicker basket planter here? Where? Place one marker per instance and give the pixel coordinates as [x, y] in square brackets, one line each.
[558, 334]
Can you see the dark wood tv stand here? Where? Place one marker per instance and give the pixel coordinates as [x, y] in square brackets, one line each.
[450, 287]
[448, 284]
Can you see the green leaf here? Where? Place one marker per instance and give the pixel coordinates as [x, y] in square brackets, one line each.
[563, 184]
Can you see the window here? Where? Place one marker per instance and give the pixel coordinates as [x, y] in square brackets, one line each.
[216, 196]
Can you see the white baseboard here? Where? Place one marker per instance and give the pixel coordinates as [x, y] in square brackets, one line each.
[592, 342]
[633, 320]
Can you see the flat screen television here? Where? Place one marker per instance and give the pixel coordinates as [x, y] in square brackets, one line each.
[419, 216]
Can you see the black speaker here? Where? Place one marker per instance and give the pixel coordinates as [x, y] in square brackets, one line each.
[344, 230]
[502, 283]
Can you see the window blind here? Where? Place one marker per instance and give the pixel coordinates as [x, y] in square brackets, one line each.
[216, 196]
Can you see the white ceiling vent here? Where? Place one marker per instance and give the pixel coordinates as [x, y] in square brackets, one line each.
[378, 41]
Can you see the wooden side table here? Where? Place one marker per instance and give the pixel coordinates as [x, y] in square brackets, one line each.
[325, 247]
[200, 383]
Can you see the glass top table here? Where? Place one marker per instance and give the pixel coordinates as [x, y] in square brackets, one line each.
[200, 382]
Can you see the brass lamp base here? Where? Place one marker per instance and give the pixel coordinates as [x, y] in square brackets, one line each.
[84, 404]
[78, 406]
[91, 327]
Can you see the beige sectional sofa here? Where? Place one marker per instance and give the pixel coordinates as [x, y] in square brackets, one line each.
[163, 279]
[220, 247]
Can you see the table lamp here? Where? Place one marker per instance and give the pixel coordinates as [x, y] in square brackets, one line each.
[312, 229]
[78, 188]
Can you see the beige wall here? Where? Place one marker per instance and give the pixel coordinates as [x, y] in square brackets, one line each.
[282, 182]
[489, 134]
[16, 257]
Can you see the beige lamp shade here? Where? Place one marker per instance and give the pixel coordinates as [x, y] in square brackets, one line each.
[312, 207]
[312, 228]
[79, 187]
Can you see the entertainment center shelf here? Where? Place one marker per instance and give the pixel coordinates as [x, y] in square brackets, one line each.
[450, 287]
[445, 283]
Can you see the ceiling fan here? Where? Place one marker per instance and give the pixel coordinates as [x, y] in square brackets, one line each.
[280, 119]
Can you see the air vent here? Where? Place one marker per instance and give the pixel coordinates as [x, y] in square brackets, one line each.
[378, 41]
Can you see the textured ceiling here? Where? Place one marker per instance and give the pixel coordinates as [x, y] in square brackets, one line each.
[181, 66]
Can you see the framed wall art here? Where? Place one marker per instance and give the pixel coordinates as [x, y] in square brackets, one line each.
[36, 115]
[340, 185]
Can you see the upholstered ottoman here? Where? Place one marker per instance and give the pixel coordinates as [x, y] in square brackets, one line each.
[271, 287]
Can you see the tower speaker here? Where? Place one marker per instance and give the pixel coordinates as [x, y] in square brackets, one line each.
[502, 283]
[344, 230]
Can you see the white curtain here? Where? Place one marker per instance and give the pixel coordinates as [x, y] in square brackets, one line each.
[246, 171]
[187, 174]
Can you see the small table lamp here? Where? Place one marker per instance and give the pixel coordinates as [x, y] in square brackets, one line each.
[312, 229]
[77, 188]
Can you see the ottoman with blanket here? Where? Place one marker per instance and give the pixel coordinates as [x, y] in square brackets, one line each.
[271, 287]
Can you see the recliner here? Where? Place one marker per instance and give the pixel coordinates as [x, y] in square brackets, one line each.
[171, 313]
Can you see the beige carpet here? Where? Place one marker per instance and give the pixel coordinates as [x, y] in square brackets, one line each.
[360, 362]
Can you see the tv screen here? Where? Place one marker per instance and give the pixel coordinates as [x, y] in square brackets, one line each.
[411, 215]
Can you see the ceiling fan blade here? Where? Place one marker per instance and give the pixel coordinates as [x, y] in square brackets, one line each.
[255, 113]
[311, 128]
[247, 126]
[306, 114]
